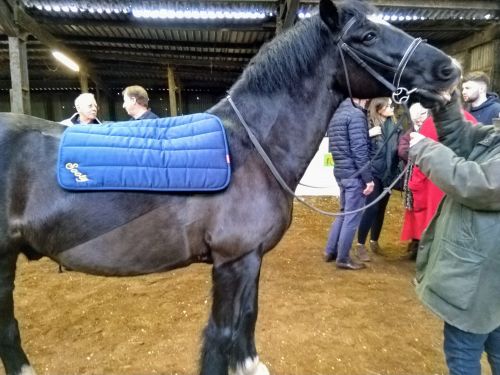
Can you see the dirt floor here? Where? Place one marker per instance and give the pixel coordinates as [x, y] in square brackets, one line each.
[313, 318]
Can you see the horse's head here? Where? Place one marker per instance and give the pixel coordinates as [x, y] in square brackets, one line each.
[380, 58]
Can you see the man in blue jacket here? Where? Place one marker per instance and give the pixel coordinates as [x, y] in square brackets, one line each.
[458, 262]
[483, 105]
[350, 148]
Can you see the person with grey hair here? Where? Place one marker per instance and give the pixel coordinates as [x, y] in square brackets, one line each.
[86, 111]
[135, 102]
[483, 105]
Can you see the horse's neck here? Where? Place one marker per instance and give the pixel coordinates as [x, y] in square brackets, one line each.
[289, 125]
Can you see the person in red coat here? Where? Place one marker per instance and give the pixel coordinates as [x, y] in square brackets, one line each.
[422, 196]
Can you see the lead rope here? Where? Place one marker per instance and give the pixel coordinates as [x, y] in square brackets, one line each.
[282, 182]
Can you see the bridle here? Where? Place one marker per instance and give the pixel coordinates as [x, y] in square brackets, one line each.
[400, 95]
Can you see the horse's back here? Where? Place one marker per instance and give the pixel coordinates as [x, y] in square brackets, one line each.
[20, 122]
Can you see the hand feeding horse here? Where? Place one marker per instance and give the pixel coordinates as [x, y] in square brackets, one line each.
[286, 95]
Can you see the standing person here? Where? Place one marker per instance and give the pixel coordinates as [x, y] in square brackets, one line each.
[483, 105]
[135, 102]
[350, 148]
[422, 196]
[458, 261]
[86, 111]
[417, 188]
[384, 135]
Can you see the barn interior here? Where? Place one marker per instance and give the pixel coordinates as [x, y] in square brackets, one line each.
[188, 53]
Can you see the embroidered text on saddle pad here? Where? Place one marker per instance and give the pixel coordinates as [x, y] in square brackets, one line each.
[185, 153]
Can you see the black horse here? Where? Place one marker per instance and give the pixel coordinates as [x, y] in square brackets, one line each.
[287, 95]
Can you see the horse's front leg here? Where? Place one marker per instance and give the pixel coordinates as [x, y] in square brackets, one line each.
[13, 358]
[229, 345]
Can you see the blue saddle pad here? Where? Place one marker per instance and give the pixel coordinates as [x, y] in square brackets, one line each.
[185, 153]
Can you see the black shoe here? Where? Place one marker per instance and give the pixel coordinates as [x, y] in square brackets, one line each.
[330, 258]
[350, 265]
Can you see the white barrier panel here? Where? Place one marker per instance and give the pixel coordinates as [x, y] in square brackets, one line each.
[319, 174]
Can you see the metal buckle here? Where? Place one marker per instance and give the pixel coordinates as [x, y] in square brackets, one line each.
[402, 95]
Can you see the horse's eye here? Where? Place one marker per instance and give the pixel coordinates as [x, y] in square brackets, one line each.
[369, 36]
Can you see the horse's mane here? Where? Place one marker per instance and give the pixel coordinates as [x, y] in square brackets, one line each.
[296, 52]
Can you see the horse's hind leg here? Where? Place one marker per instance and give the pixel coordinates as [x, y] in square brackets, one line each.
[229, 346]
[11, 352]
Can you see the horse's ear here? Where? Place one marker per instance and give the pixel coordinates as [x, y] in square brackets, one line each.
[329, 14]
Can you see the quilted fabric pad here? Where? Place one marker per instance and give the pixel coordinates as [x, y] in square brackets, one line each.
[185, 153]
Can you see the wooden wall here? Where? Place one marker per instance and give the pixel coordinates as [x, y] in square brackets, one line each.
[480, 51]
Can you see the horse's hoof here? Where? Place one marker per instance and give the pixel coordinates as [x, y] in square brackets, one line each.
[262, 369]
[251, 366]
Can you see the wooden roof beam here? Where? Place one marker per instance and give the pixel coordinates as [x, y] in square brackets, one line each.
[86, 40]
[287, 14]
[445, 4]
[6, 18]
[490, 33]
[154, 24]
[159, 60]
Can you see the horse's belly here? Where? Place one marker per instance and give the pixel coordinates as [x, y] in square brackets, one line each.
[144, 245]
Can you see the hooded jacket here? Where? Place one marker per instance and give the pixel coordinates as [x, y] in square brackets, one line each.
[486, 112]
[458, 260]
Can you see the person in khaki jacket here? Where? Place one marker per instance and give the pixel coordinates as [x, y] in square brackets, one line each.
[458, 263]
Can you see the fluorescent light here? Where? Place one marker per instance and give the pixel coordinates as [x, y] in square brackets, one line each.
[196, 14]
[65, 60]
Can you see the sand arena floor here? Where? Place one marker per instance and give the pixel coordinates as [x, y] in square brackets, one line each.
[313, 319]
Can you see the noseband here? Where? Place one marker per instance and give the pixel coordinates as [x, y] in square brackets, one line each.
[400, 95]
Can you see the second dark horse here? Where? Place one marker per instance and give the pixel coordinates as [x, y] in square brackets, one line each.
[287, 95]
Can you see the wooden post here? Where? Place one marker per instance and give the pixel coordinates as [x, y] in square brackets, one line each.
[84, 82]
[20, 91]
[171, 92]
[179, 98]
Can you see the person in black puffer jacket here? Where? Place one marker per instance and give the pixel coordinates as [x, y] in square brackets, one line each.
[350, 148]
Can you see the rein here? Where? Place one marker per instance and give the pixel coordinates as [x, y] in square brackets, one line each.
[282, 182]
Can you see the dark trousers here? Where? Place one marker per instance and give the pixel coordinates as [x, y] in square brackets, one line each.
[373, 217]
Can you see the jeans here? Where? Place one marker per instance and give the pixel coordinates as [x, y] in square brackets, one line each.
[373, 217]
[463, 350]
[344, 227]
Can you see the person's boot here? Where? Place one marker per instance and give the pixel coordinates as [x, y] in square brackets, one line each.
[361, 253]
[374, 247]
